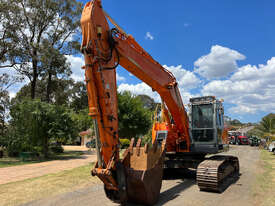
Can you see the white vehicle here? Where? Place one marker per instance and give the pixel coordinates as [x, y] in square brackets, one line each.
[271, 147]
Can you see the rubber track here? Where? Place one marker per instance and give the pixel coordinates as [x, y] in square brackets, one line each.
[214, 171]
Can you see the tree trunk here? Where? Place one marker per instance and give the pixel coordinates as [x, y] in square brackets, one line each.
[49, 84]
[33, 85]
[34, 74]
[2, 126]
[45, 147]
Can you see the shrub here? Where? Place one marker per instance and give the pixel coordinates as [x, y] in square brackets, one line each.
[34, 124]
[124, 143]
[56, 148]
[134, 118]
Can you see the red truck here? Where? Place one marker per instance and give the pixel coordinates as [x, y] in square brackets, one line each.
[237, 138]
[242, 140]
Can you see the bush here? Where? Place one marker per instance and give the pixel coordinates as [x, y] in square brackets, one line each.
[14, 145]
[34, 124]
[124, 143]
[1, 152]
[146, 140]
[56, 148]
[134, 119]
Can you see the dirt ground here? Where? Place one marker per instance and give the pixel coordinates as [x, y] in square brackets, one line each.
[23, 172]
[181, 190]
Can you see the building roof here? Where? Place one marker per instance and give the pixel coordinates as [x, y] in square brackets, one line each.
[84, 133]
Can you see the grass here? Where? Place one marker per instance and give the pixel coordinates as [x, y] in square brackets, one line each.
[12, 161]
[264, 187]
[15, 161]
[21, 192]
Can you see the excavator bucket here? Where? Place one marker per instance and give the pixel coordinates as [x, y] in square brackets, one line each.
[143, 171]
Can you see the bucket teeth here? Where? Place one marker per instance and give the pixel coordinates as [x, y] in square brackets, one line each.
[146, 148]
[138, 147]
[137, 178]
[144, 169]
[131, 145]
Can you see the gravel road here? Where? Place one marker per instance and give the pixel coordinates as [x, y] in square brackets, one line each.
[181, 191]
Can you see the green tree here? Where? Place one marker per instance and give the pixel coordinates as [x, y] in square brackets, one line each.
[5, 82]
[9, 49]
[148, 102]
[54, 63]
[63, 91]
[34, 124]
[236, 122]
[79, 97]
[256, 132]
[267, 125]
[134, 118]
[60, 93]
[40, 28]
[82, 120]
[4, 106]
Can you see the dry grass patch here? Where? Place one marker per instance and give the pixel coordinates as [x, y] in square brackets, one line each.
[17, 193]
[264, 187]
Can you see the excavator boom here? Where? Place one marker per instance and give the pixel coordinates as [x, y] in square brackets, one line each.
[140, 170]
[137, 176]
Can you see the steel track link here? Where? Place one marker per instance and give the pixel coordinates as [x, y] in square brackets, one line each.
[213, 172]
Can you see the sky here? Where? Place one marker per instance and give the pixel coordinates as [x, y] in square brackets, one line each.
[219, 47]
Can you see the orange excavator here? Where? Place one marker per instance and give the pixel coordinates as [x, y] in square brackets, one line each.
[137, 176]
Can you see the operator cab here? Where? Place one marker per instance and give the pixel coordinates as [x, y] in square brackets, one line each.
[161, 135]
[206, 124]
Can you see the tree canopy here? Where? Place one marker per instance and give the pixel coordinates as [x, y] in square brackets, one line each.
[134, 118]
[34, 123]
[267, 124]
[35, 36]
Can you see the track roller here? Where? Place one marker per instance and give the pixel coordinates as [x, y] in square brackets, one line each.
[215, 173]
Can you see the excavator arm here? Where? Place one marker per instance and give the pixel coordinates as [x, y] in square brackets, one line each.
[137, 61]
[140, 170]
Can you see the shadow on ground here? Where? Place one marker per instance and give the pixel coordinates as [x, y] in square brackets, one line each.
[173, 174]
[72, 155]
[227, 183]
[186, 178]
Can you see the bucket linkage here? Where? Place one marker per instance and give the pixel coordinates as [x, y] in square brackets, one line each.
[137, 177]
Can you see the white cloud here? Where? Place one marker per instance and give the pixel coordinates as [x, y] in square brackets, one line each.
[14, 88]
[186, 79]
[149, 36]
[251, 89]
[12, 94]
[262, 72]
[78, 74]
[242, 109]
[138, 89]
[220, 62]
[120, 78]
[142, 88]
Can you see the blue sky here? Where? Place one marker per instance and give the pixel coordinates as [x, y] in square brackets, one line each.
[184, 31]
[218, 47]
